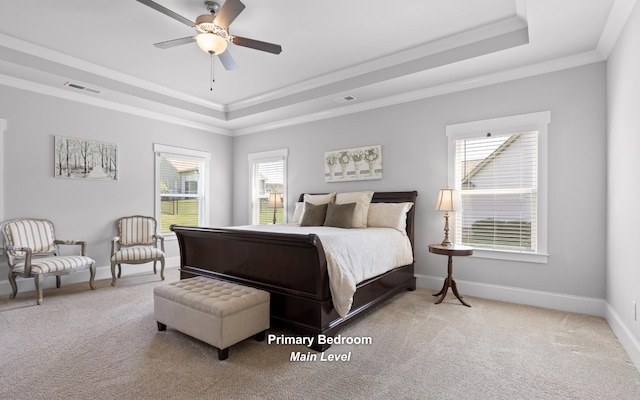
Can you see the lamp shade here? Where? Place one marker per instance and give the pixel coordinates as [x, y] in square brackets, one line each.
[448, 200]
[275, 200]
[211, 43]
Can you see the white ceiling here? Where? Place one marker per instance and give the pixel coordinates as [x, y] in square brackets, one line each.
[380, 52]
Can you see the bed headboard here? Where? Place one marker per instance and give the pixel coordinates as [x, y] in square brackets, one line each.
[393, 197]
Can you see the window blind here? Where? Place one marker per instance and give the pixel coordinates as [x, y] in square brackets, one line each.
[268, 176]
[497, 176]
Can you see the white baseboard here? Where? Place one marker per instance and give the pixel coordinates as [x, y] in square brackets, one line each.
[555, 301]
[624, 335]
[103, 272]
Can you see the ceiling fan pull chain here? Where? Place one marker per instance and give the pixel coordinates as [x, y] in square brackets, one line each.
[212, 77]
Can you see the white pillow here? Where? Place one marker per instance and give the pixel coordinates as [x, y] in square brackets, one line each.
[297, 212]
[317, 199]
[361, 212]
[389, 215]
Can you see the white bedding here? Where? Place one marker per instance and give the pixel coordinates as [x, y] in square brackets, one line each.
[353, 255]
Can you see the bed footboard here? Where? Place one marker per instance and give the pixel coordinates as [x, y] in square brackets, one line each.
[292, 268]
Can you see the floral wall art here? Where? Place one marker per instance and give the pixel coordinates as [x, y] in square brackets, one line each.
[362, 163]
[85, 159]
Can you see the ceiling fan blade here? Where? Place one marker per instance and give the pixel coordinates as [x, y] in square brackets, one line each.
[167, 12]
[174, 42]
[256, 44]
[228, 12]
[227, 61]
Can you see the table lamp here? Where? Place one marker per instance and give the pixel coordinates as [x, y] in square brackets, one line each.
[448, 200]
[275, 202]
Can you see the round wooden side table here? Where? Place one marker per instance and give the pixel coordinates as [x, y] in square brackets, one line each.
[449, 282]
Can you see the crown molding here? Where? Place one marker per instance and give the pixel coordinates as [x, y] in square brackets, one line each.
[73, 62]
[620, 13]
[146, 112]
[469, 37]
[563, 63]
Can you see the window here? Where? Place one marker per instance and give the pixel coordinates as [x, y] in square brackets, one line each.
[499, 168]
[181, 195]
[268, 172]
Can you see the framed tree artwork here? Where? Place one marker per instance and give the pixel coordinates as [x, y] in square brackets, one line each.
[85, 159]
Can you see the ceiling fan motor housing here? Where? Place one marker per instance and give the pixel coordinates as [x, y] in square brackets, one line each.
[212, 6]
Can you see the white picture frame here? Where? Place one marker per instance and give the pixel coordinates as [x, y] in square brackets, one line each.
[76, 158]
[356, 164]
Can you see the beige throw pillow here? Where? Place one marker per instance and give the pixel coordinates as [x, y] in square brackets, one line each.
[389, 215]
[361, 212]
[319, 198]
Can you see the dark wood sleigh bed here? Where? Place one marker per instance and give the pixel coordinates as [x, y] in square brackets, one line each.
[292, 268]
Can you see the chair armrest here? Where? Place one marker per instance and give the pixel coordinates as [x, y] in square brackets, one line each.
[18, 248]
[161, 239]
[115, 245]
[81, 243]
[27, 257]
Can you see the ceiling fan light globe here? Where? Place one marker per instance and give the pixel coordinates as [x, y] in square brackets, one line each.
[211, 43]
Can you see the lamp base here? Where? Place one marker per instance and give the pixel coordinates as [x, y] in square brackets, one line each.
[446, 241]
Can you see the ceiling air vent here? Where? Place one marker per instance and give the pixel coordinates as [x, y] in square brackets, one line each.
[344, 99]
[80, 87]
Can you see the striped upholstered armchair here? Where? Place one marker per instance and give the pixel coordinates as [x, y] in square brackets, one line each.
[32, 252]
[136, 243]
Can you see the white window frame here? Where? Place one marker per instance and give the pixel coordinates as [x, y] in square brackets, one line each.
[538, 121]
[203, 180]
[281, 154]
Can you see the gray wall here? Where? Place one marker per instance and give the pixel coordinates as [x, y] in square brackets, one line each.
[87, 210]
[414, 145]
[623, 214]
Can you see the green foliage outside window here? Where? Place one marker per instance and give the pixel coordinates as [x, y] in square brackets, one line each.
[498, 234]
[179, 211]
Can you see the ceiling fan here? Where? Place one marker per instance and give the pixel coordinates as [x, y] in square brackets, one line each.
[213, 31]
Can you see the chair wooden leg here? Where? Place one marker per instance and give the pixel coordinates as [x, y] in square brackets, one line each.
[14, 286]
[92, 271]
[113, 273]
[155, 271]
[58, 279]
[38, 280]
[161, 268]
[119, 270]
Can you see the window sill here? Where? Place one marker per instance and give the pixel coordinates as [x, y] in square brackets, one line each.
[511, 256]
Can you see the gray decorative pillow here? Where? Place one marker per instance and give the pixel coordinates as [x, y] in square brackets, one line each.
[340, 215]
[313, 214]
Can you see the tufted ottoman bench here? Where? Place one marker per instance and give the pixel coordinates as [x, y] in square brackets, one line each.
[216, 312]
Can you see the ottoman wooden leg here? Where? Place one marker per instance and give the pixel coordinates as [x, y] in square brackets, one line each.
[161, 326]
[223, 354]
[261, 335]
